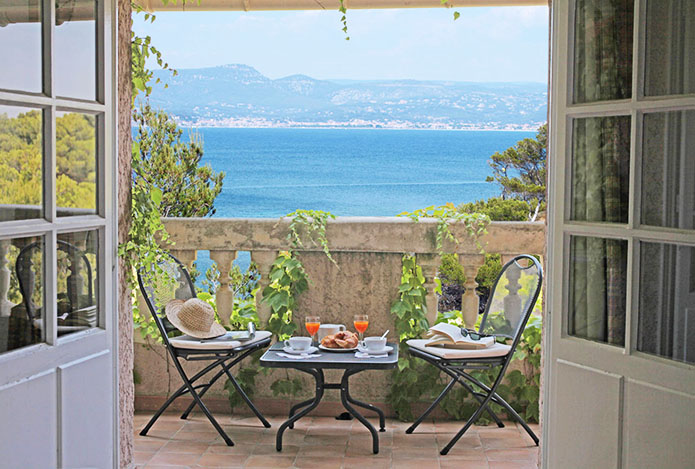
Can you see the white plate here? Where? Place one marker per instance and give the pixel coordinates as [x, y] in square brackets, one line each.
[384, 350]
[327, 349]
[292, 351]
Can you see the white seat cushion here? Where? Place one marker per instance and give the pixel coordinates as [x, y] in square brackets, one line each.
[188, 342]
[495, 350]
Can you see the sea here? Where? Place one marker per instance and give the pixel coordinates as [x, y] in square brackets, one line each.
[271, 172]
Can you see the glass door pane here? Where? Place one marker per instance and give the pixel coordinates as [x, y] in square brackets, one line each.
[20, 54]
[76, 163]
[74, 66]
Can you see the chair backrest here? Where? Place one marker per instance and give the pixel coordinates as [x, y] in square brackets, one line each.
[80, 277]
[512, 298]
[169, 281]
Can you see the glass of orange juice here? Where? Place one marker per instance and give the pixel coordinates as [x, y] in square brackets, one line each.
[312, 324]
[361, 322]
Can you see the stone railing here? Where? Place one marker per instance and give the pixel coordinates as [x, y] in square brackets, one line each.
[368, 254]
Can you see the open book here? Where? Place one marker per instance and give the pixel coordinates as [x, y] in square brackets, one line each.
[449, 336]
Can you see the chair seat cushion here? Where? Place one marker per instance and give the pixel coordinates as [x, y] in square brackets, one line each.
[188, 342]
[495, 350]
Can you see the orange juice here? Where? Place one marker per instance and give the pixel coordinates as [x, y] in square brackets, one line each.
[361, 326]
[312, 327]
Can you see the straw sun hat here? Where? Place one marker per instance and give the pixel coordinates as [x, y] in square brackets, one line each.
[194, 317]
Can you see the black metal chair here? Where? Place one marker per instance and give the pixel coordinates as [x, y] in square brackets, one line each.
[174, 282]
[506, 314]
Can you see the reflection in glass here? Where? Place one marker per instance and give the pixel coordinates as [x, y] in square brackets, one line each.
[668, 170]
[77, 281]
[20, 54]
[21, 163]
[21, 292]
[597, 289]
[75, 163]
[670, 48]
[74, 66]
[667, 301]
[603, 50]
[600, 169]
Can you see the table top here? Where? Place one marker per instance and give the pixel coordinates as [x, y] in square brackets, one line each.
[331, 360]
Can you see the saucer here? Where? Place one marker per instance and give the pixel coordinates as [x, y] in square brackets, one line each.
[292, 351]
[384, 350]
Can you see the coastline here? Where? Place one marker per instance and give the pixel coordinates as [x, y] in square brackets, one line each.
[188, 125]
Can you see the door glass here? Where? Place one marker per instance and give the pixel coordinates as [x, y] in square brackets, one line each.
[21, 292]
[668, 169]
[20, 54]
[600, 169]
[597, 289]
[77, 281]
[76, 163]
[667, 301]
[670, 47]
[21, 163]
[74, 66]
[603, 50]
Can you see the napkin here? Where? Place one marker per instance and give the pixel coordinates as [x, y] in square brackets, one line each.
[366, 355]
[299, 357]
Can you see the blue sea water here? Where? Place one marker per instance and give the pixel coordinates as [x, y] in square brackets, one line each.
[370, 172]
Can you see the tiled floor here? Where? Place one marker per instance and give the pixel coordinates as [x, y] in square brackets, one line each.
[326, 443]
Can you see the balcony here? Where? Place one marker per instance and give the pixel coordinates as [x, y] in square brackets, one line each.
[368, 253]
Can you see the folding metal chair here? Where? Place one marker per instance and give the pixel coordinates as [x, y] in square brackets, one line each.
[507, 311]
[174, 282]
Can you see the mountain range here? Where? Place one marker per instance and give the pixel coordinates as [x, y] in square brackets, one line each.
[238, 95]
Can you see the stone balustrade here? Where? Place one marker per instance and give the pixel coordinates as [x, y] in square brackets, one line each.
[367, 251]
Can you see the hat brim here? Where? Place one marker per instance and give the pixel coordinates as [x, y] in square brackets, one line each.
[172, 310]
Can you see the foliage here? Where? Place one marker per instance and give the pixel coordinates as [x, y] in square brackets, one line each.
[141, 49]
[475, 223]
[312, 225]
[521, 170]
[243, 310]
[287, 280]
[499, 209]
[167, 163]
[343, 19]
[246, 377]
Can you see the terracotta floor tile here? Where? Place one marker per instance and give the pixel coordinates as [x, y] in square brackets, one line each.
[287, 450]
[143, 457]
[222, 460]
[322, 451]
[413, 463]
[511, 465]
[179, 446]
[365, 450]
[364, 462]
[316, 463]
[312, 440]
[148, 444]
[417, 440]
[519, 454]
[445, 463]
[269, 462]
[415, 452]
[219, 447]
[174, 459]
[203, 437]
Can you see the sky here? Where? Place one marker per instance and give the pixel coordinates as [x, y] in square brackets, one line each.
[502, 44]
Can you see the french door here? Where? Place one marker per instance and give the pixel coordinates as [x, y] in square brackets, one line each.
[57, 247]
[620, 366]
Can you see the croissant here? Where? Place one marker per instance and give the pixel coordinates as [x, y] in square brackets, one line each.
[343, 339]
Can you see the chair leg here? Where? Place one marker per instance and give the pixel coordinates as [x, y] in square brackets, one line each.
[185, 415]
[474, 418]
[182, 390]
[243, 395]
[517, 417]
[480, 399]
[432, 406]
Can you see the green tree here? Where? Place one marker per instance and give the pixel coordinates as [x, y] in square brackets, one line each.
[498, 209]
[166, 162]
[521, 171]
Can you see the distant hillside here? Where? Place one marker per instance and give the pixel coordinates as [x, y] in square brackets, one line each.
[240, 96]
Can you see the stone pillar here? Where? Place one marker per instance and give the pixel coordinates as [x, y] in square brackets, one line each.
[186, 256]
[264, 260]
[5, 304]
[430, 264]
[470, 302]
[224, 296]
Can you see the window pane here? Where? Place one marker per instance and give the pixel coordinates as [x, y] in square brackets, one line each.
[667, 301]
[21, 292]
[74, 67]
[21, 163]
[77, 281]
[603, 50]
[600, 169]
[670, 47]
[76, 160]
[20, 54]
[597, 289]
[668, 170]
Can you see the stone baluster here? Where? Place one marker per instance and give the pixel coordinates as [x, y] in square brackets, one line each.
[470, 302]
[264, 260]
[430, 265]
[512, 300]
[186, 256]
[5, 304]
[75, 283]
[224, 296]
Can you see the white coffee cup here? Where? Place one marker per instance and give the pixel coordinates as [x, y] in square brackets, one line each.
[374, 344]
[298, 343]
[330, 329]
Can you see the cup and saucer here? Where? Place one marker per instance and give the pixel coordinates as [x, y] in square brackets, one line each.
[299, 346]
[374, 346]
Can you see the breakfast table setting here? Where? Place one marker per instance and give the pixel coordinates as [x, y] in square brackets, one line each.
[335, 347]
